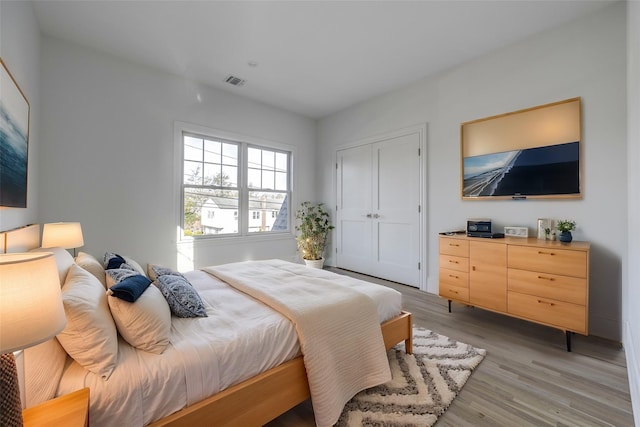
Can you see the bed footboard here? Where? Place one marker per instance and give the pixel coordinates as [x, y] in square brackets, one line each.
[398, 329]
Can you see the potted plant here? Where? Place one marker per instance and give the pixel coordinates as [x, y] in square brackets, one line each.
[313, 226]
[565, 226]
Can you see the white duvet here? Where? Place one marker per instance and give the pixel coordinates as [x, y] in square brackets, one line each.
[240, 338]
[337, 327]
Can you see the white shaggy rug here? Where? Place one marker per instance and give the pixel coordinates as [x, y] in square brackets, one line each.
[423, 385]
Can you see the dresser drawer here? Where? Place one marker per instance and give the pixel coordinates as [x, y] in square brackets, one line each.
[456, 247]
[454, 263]
[454, 278]
[560, 314]
[454, 292]
[546, 285]
[548, 260]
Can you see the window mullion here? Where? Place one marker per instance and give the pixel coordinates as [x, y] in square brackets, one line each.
[243, 163]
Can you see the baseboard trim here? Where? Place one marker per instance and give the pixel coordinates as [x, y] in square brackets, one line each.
[633, 364]
[605, 327]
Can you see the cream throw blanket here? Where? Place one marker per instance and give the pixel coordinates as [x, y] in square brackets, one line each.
[337, 327]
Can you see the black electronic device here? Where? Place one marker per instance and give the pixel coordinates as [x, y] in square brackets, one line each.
[491, 235]
[479, 227]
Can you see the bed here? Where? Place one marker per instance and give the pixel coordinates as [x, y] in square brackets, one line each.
[259, 375]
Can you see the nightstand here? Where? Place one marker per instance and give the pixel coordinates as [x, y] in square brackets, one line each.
[70, 410]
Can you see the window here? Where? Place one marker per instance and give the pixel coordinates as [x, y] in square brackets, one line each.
[233, 187]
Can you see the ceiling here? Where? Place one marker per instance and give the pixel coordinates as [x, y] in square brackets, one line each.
[309, 57]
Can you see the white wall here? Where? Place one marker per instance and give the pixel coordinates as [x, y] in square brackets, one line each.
[106, 145]
[108, 160]
[585, 58]
[631, 288]
[20, 51]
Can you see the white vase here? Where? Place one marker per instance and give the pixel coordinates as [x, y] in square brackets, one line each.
[314, 263]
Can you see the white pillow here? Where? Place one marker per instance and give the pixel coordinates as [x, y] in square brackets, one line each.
[134, 264]
[43, 367]
[63, 258]
[146, 323]
[90, 336]
[92, 265]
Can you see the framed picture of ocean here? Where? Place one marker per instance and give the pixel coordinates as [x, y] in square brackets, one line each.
[14, 141]
[531, 153]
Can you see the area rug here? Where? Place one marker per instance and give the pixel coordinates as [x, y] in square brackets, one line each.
[422, 387]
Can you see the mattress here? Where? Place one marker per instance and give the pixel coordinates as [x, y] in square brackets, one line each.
[240, 338]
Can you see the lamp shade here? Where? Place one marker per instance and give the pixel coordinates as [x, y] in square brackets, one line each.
[31, 309]
[67, 235]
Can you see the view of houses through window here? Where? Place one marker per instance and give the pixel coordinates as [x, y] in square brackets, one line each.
[233, 188]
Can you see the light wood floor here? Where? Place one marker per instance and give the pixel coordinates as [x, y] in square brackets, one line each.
[527, 379]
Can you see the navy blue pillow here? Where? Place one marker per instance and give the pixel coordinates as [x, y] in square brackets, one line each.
[130, 288]
[113, 261]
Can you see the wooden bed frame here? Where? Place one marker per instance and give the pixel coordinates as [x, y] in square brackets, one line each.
[253, 402]
[260, 399]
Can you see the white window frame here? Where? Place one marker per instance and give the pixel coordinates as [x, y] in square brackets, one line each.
[180, 128]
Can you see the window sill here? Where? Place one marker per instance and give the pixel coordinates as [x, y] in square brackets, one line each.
[207, 241]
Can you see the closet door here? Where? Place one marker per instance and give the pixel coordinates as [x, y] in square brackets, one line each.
[378, 209]
[354, 208]
[396, 213]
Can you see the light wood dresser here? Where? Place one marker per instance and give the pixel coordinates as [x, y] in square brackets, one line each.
[542, 281]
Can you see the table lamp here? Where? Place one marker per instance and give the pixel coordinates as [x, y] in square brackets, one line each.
[31, 312]
[67, 235]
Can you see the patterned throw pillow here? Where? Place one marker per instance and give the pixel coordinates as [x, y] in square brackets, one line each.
[154, 271]
[113, 260]
[117, 275]
[182, 298]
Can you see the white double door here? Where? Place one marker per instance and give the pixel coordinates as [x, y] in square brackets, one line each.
[379, 208]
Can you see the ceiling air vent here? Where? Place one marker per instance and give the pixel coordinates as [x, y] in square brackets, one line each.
[236, 81]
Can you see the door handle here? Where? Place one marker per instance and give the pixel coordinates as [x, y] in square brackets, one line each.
[368, 215]
[376, 216]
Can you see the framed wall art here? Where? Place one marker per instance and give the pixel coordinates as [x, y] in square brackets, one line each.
[545, 224]
[14, 141]
[531, 153]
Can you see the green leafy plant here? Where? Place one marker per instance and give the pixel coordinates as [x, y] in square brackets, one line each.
[566, 225]
[313, 226]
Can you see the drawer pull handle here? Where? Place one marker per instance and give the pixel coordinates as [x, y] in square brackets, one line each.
[545, 253]
[453, 244]
[454, 262]
[452, 291]
[545, 302]
[454, 277]
[551, 279]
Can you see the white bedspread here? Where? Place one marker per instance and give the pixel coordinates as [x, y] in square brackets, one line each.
[337, 327]
[241, 338]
